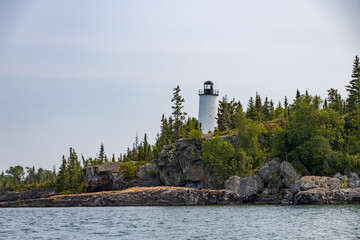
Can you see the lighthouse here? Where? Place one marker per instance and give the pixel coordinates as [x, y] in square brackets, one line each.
[208, 107]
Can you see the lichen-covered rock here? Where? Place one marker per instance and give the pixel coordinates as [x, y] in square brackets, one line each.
[274, 185]
[323, 190]
[269, 170]
[247, 188]
[180, 165]
[353, 180]
[288, 174]
[108, 176]
[310, 182]
[328, 196]
[153, 196]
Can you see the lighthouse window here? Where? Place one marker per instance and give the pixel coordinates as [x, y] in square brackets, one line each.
[207, 86]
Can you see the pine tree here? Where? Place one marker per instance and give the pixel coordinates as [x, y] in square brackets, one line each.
[251, 110]
[353, 100]
[62, 180]
[272, 109]
[297, 94]
[179, 115]
[266, 109]
[102, 155]
[334, 100]
[224, 116]
[258, 107]
[286, 105]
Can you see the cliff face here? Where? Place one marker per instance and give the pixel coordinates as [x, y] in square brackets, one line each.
[180, 165]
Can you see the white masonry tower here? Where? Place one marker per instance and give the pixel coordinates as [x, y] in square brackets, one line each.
[208, 107]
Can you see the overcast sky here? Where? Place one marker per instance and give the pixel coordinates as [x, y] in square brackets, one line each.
[79, 73]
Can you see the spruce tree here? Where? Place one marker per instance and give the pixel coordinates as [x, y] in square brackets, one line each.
[179, 115]
[353, 100]
[251, 110]
[266, 109]
[334, 100]
[286, 106]
[62, 179]
[258, 107]
[224, 116]
[102, 155]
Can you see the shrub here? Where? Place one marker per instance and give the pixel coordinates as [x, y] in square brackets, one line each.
[129, 170]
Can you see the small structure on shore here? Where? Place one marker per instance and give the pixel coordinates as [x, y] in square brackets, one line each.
[208, 107]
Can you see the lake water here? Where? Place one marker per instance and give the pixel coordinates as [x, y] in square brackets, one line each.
[198, 222]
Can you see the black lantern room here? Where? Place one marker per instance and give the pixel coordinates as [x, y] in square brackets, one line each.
[209, 89]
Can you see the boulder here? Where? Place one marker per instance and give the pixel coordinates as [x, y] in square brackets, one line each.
[247, 188]
[288, 174]
[274, 185]
[353, 180]
[269, 170]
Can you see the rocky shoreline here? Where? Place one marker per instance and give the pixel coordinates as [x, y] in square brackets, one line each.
[181, 196]
[177, 178]
[143, 196]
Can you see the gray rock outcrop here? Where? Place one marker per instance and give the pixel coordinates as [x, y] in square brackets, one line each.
[247, 188]
[288, 174]
[271, 179]
[267, 171]
[323, 190]
[180, 165]
[7, 195]
[108, 176]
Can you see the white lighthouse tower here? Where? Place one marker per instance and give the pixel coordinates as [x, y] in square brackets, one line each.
[208, 107]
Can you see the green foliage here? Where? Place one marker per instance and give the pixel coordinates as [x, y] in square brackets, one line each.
[353, 100]
[353, 140]
[195, 134]
[279, 111]
[345, 162]
[217, 156]
[142, 151]
[279, 146]
[18, 179]
[71, 176]
[311, 136]
[248, 135]
[227, 114]
[334, 100]
[128, 169]
[221, 160]
[178, 114]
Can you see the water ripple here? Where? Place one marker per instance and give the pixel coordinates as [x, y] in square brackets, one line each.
[200, 222]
